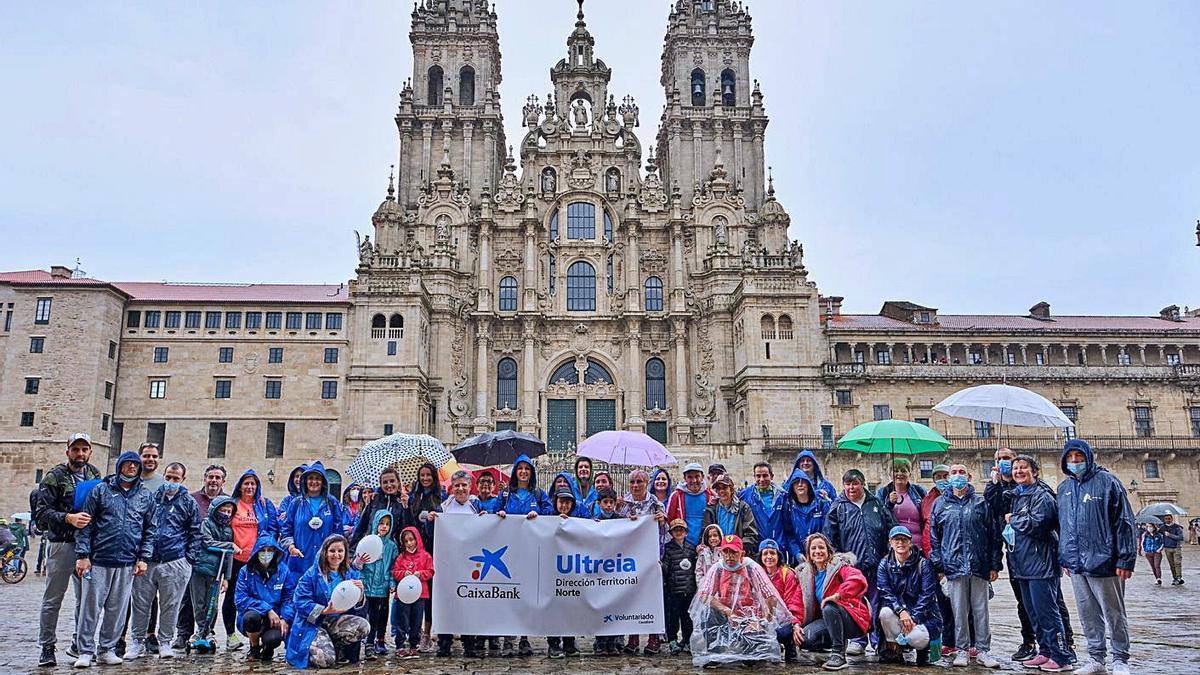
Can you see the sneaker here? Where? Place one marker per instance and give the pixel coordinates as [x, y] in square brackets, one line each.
[653, 646]
[673, 648]
[961, 659]
[1092, 667]
[986, 660]
[1120, 668]
[234, 643]
[47, 660]
[84, 661]
[136, 650]
[166, 652]
[556, 652]
[1036, 662]
[381, 648]
[413, 653]
[72, 651]
[835, 662]
[110, 659]
[947, 651]
[1050, 666]
[426, 646]
[179, 643]
[507, 651]
[1024, 653]
[631, 647]
[570, 649]
[855, 649]
[524, 648]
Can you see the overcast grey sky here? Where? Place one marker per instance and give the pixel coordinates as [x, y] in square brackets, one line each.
[977, 157]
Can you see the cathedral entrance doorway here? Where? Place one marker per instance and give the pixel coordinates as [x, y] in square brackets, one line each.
[580, 397]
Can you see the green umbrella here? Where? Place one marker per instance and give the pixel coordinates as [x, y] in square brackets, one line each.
[896, 437]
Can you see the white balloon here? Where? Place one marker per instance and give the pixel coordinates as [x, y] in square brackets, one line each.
[372, 547]
[408, 590]
[345, 596]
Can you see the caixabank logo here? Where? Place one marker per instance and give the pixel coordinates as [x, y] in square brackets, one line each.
[489, 563]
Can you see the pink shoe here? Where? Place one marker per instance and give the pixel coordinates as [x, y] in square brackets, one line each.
[974, 653]
[1036, 662]
[1051, 667]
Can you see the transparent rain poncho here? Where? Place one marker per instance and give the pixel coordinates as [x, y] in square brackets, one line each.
[748, 634]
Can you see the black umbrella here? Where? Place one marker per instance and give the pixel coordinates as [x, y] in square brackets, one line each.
[493, 448]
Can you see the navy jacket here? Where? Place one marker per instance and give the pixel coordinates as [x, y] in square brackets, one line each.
[1035, 526]
[263, 589]
[177, 519]
[1097, 536]
[122, 531]
[861, 531]
[819, 478]
[912, 587]
[962, 536]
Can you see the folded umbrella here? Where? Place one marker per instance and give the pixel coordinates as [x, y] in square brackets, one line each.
[493, 448]
[625, 447]
[404, 452]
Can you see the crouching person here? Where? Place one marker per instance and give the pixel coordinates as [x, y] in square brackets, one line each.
[835, 609]
[320, 635]
[263, 588]
[909, 615]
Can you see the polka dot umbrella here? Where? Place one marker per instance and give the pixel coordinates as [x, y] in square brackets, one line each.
[404, 452]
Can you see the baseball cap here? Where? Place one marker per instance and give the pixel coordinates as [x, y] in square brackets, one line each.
[731, 542]
[767, 544]
[942, 468]
[79, 437]
[723, 479]
[678, 522]
[899, 531]
[693, 466]
[565, 492]
[717, 468]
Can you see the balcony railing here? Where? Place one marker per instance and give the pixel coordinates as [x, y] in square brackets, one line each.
[999, 372]
[1042, 443]
[843, 369]
[387, 333]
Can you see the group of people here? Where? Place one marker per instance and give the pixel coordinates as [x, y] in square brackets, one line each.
[751, 574]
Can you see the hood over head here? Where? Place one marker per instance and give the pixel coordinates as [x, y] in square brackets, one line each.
[379, 516]
[316, 468]
[218, 503]
[512, 474]
[415, 533]
[129, 456]
[237, 487]
[705, 531]
[570, 484]
[1082, 446]
[265, 541]
[798, 474]
[817, 473]
[292, 488]
[346, 492]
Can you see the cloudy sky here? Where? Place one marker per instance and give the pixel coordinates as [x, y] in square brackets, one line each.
[977, 157]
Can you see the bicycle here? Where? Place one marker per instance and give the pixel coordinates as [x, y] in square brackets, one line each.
[13, 567]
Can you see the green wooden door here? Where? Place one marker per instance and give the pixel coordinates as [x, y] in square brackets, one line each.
[561, 429]
[601, 415]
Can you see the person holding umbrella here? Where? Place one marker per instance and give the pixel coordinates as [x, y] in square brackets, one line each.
[902, 497]
[1172, 548]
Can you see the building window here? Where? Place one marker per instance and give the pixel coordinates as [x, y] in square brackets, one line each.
[883, 357]
[728, 91]
[506, 425]
[1173, 359]
[698, 87]
[466, 86]
[233, 320]
[921, 420]
[212, 320]
[785, 327]
[8, 318]
[433, 86]
[153, 318]
[108, 391]
[656, 384]
[217, 431]
[657, 431]
[32, 384]
[112, 349]
[1010, 359]
[924, 317]
[827, 436]
[312, 321]
[253, 320]
[274, 320]
[42, 315]
[275, 431]
[331, 355]
[581, 220]
[225, 355]
[882, 412]
[104, 420]
[224, 388]
[976, 358]
[161, 354]
[553, 216]
[581, 287]
[293, 320]
[158, 388]
[1150, 469]
[391, 348]
[983, 429]
[333, 321]
[275, 355]
[508, 294]
[1123, 359]
[172, 320]
[1143, 426]
[926, 466]
[388, 429]
[842, 397]
[191, 319]
[26, 419]
[1039, 359]
[36, 345]
[274, 389]
[1194, 416]
[506, 384]
[133, 318]
[767, 324]
[654, 294]
[329, 389]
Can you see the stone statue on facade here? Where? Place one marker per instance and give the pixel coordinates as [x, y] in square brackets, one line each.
[612, 180]
[579, 114]
[441, 229]
[721, 230]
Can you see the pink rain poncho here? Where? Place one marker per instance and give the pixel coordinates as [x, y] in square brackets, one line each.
[736, 613]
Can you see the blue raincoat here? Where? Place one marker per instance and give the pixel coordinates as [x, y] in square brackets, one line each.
[1097, 535]
[818, 477]
[123, 527]
[1034, 554]
[377, 576]
[516, 501]
[263, 589]
[792, 521]
[177, 517]
[963, 540]
[293, 491]
[312, 594]
[264, 511]
[764, 512]
[578, 511]
[298, 522]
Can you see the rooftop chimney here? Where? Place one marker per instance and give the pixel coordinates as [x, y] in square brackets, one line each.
[1169, 313]
[1040, 310]
[60, 272]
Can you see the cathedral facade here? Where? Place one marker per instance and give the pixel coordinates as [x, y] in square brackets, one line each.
[564, 283]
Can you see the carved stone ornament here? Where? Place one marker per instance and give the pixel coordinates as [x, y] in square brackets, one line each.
[703, 402]
[508, 260]
[583, 172]
[251, 365]
[654, 261]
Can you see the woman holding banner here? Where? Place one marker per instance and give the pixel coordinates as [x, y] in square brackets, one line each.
[523, 496]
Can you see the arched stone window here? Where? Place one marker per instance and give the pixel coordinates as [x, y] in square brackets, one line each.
[434, 85]
[466, 86]
[379, 321]
[506, 384]
[581, 220]
[728, 88]
[581, 287]
[396, 321]
[508, 294]
[608, 226]
[785, 327]
[656, 384]
[654, 294]
[698, 87]
[594, 374]
[768, 327]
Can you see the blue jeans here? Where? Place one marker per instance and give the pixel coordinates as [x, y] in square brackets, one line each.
[1040, 597]
[406, 622]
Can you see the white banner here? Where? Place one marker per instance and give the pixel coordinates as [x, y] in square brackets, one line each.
[546, 576]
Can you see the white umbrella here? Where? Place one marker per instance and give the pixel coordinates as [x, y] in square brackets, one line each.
[626, 447]
[1003, 404]
[404, 452]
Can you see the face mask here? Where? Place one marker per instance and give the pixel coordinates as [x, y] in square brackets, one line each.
[1077, 467]
[172, 487]
[223, 518]
[942, 485]
[128, 480]
[958, 481]
[733, 568]
[354, 495]
[1005, 467]
[265, 557]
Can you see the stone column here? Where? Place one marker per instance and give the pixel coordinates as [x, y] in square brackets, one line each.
[426, 152]
[468, 128]
[633, 272]
[482, 409]
[1104, 355]
[530, 280]
[928, 353]
[485, 268]
[528, 383]
[677, 284]
[1142, 354]
[633, 413]
[679, 342]
[871, 353]
[698, 151]
[1024, 356]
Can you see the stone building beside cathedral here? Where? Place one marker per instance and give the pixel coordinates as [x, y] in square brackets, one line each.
[571, 282]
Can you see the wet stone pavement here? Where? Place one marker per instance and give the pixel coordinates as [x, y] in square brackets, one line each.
[1164, 622]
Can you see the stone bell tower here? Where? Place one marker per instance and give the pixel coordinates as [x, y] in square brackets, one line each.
[711, 101]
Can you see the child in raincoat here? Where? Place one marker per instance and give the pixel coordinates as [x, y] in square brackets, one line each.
[378, 584]
[565, 506]
[416, 561]
[708, 552]
[319, 633]
[262, 596]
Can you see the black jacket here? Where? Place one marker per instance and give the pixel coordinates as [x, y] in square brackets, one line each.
[55, 498]
[679, 578]
[381, 502]
[962, 536]
[861, 531]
